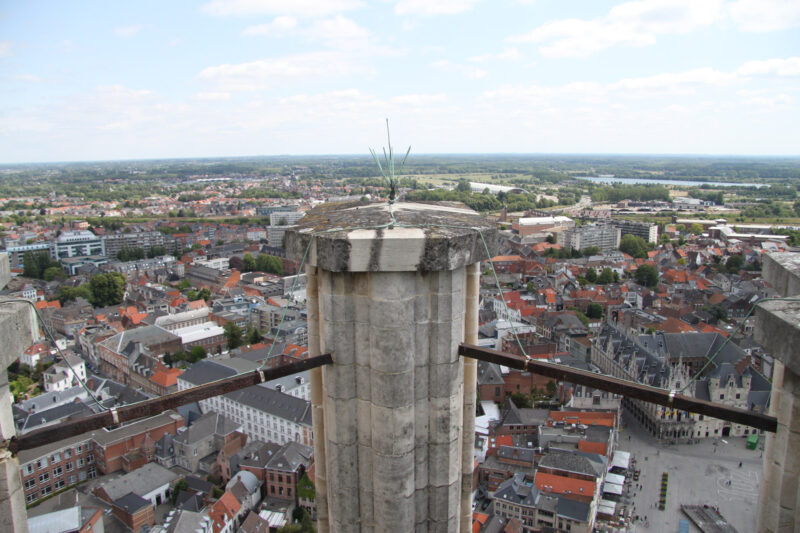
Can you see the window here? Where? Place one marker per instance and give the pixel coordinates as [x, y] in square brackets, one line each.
[69, 467]
[92, 473]
[738, 395]
[71, 480]
[56, 458]
[29, 468]
[58, 471]
[41, 463]
[90, 459]
[30, 498]
[59, 484]
[67, 453]
[721, 396]
[44, 477]
[30, 483]
[80, 462]
[47, 490]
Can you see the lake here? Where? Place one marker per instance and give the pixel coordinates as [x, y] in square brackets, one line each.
[687, 183]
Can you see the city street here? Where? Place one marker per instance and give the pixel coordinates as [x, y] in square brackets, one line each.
[698, 474]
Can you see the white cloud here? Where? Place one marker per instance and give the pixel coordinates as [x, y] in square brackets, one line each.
[340, 32]
[5, 48]
[127, 31]
[635, 23]
[765, 15]
[419, 99]
[433, 7]
[787, 67]
[258, 75]
[212, 96]
[307, 8]
[278, 26]
[678, 82]
[509, 53]
[466, 70]
[33, 78]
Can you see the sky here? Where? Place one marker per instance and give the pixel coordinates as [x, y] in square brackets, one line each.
[99, 80]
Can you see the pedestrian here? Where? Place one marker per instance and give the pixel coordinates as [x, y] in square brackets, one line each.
[740, 464]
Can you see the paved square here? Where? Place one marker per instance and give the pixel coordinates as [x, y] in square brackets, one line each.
[698, 474]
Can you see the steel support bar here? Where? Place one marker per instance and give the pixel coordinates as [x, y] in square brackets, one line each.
[162, 403]
[625, 388]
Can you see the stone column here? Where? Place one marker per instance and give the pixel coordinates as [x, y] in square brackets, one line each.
[470, 395]
[778, 330]
[390, 305]
[18, 331]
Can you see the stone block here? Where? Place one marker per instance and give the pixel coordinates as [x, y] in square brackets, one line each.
[342, 463]
[340, 381]
[394, 513]
[13, 516]
[364, 414]
[782, 272]
[395, 312]
[421, 421]
[361, 334]
[788, 490]
[367, 508]
[779, 330]
[392, 390]
[422, 376]
[391, 349]
[341, 421]
[363, 382]
[445, 419]
[7, 427]
[445, 464]
[18, 329]
[443, 504]
[365, 473]
[422, 332]
[340, 339]
[393, 430]
[392, 286]
[421, 509]
[422, 305]
[446, 379]
[5, 270]
[421, 466]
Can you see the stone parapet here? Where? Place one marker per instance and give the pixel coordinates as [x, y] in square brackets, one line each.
[779, 332]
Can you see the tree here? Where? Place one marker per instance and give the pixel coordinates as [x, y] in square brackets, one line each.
[233, 334]
[463, 186]
[68, 294]
[647, 275]
[236, 263]
[633, 246]
[551, 388]
[590, 251]
[197, 353]
[696, 229]
[734, 263]
[591, 275]
[179, 486]
[248, 262]
[606, 277]
[54, 272]
[521, 400]
[107, 289]
[253, 335]
[550, 239]
[594, 310]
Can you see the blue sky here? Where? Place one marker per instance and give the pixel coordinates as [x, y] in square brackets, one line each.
[85, 80]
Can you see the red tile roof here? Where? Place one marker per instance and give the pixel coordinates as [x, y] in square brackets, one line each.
[564, 485]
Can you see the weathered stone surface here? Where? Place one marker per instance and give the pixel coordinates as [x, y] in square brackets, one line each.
[443, 237]
[779, 330]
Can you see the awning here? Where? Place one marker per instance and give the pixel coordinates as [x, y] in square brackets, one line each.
[621, 460]
[615, 478]
[612, 488]
[607, 507]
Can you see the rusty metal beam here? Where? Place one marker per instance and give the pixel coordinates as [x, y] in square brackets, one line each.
[625, 388]
[162, 403]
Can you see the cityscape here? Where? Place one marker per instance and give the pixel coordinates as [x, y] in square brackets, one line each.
[440, 266]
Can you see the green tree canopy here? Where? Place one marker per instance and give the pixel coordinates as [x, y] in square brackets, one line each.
[107, 289]
[647, 275]
[606, 277]
[233, 334]
[248, 262]
[594, 310]
[633, 246]
[591, 275]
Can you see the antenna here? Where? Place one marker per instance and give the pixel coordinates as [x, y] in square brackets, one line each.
[388, 167]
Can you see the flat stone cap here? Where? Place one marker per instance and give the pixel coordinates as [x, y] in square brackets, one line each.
[354, 237]
[782, 271]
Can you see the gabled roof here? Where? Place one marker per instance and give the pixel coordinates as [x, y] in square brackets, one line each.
[564, 485]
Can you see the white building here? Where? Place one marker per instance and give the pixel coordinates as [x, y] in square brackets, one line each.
[78, 243]
[65, 374]
[264, 414]
[218, 263]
